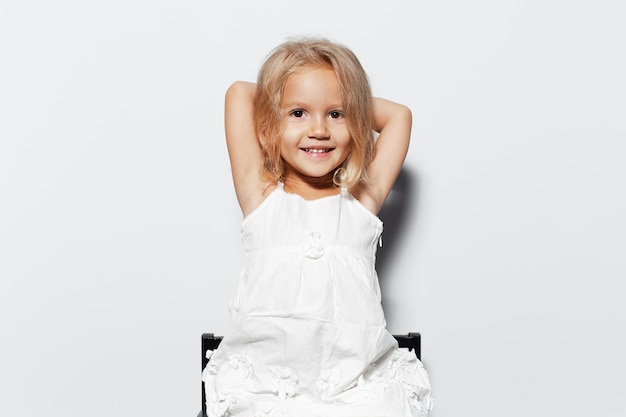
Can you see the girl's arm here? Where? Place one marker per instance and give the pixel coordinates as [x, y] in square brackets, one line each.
[244, 149]
[393, 123]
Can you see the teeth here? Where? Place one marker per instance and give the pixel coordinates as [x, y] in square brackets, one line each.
[316, 150]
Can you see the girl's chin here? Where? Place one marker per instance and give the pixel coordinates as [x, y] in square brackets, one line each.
[310, 176]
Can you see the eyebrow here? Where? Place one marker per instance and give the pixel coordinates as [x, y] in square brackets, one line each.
[334, 106]
[292, 104]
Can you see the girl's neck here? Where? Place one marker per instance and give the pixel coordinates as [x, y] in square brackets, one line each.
[310, 188]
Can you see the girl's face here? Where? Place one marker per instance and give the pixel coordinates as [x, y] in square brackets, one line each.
[315, 138]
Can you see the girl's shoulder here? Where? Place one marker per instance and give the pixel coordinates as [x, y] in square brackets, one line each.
[365, 195]
[255, 196]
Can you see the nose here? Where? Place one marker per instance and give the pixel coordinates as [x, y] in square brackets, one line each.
[318, 128]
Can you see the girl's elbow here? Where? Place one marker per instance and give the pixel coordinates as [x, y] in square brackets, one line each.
[240, 89]
[405, 113]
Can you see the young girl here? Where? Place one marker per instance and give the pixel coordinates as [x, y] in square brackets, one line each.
[309, 335]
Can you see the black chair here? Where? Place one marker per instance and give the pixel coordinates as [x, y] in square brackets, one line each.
[410, 341]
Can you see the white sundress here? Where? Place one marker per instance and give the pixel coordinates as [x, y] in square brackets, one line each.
[309, 335]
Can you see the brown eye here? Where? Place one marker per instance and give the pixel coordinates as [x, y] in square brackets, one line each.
[297, 113]
[336, 114]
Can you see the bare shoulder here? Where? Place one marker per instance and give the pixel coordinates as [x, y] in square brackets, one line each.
[368, 198]
[254, 197]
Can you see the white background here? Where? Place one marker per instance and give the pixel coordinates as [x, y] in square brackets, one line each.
[119, 229]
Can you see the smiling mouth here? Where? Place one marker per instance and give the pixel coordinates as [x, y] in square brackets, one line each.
[317, 150]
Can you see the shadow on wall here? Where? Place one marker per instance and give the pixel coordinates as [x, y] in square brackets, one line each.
[401, 203]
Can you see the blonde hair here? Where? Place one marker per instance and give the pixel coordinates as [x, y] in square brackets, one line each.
[355, 92]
